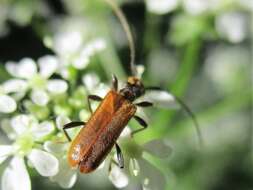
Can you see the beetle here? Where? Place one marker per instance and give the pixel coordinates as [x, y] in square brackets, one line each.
[100, 133]
[96, 139]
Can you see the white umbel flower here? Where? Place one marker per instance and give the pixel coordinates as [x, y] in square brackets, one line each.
[27, 130]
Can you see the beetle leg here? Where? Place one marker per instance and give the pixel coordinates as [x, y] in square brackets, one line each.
[142, 123]
[71, 125]
[114, 83]
[119, 156]
[153, 88]
[95, 98]
[144, 104]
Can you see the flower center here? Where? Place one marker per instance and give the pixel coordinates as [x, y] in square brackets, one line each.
[24, 144]
[38, 81]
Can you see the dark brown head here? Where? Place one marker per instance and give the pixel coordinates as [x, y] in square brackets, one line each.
[133, 89]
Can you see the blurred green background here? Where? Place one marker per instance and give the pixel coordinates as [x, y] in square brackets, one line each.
[199, 50]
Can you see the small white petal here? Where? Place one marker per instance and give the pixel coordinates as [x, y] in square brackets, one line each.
[134, 167]
[101, 166]
[11, 68]
[14, 85]
[162, 99]
[117, 177]
[196, 7]
[7, 104]
[5, 151]
[46, 164]
[68, 42]
[140, 70]
[48, 65]
[99, 44]
[93, 47]
[7, 128]
[21, 123]
[55, 148]
[91, 81]
[161, 6]
[15, 176]
[57, 86]
[62, 120]
[66, 177]
[43, 129]
[158, 148]
[26, 68]
[81, 62]
[39, 97]
[125, 133]
[232, 25]
[101, 90]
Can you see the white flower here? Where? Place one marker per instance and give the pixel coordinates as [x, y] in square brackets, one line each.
[94, 85]
[25, 132]
[161, 6]
[38, 81]
[73, 49]
[232, 26]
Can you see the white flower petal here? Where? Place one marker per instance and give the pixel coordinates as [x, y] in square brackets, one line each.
[117, 177]
[196, 7]
[68, 42]
[158, 148]
[7, 128]
[39, 97]
[161, 6]
[14, 85]
[45, 163]
[125, 133]
[101, 90]
[5, 151]
[21, 123]
[232, 25]
[140, 70]
[11, 68]
[19, 69]
[43, 129]
[7, 104]
[55, 148]
[26, 68]
[91, 81]
[15, 176]
[162, 99]
[57, 86]
[81, 62]
[62, 120]
[134, 167]
[48, 65]
[66, 177]
[102, 165]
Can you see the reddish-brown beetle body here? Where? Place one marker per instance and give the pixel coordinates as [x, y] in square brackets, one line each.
[100, 133]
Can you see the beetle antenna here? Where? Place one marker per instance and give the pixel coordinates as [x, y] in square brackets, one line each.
[188, 111]
[192, 115]
[118, 12]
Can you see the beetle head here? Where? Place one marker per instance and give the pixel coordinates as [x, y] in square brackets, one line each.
[133, 89]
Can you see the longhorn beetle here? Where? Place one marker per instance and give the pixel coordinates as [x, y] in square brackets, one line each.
[100, 133]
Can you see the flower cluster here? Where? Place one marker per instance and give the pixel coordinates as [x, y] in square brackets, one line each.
[44, 95]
